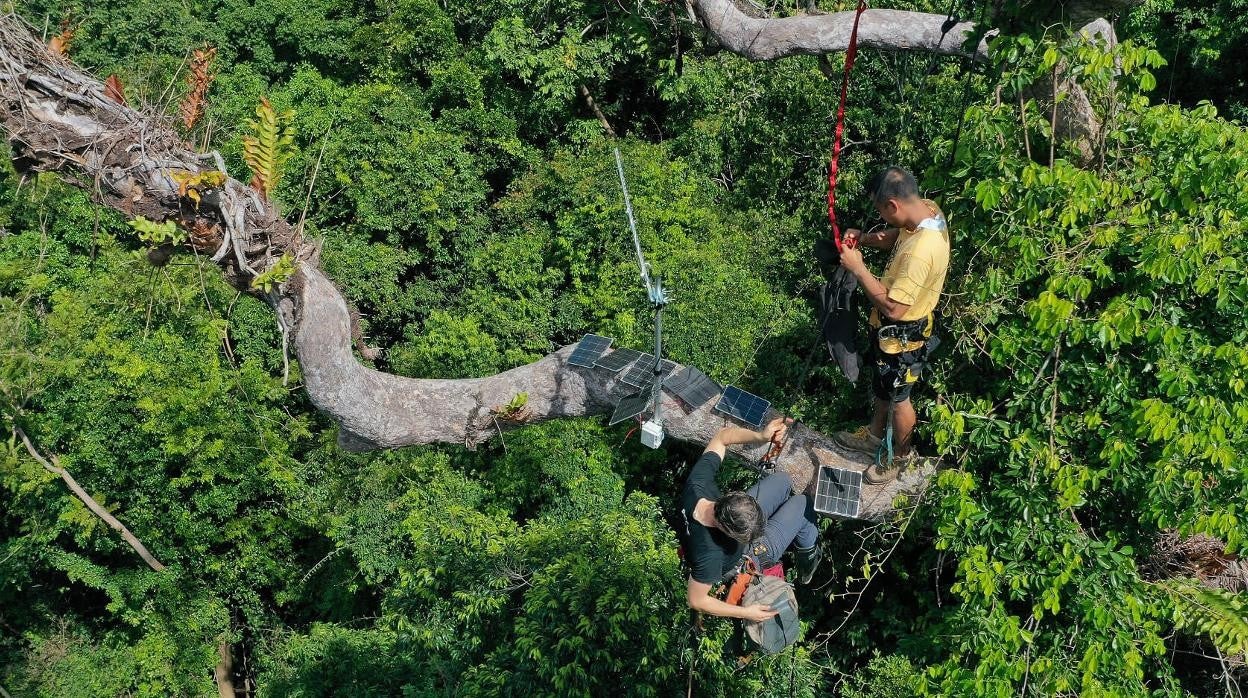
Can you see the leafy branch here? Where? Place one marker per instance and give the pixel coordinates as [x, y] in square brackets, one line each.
[157, 233]
[54, 466]
[278, 274]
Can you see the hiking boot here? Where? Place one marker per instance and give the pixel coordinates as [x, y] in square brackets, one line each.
[807, 562]
[877, 474]
[861, 440]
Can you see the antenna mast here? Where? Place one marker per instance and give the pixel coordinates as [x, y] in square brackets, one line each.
[652, 430]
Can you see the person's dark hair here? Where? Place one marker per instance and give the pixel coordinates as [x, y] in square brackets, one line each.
[739, 516]
[892, 183]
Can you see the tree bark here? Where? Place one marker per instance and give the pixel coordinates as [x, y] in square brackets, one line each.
[224, 671]
[766, 39]
[769, 38]
[59, 121]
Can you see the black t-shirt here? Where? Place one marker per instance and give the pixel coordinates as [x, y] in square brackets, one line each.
[709, 553]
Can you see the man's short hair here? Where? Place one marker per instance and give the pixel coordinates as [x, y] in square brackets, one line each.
[892, 183]
[739, 517]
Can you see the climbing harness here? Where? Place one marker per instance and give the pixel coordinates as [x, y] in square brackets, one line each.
[903, 334]
[833, 165]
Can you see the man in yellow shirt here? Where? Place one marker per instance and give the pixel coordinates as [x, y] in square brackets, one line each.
[903, 317]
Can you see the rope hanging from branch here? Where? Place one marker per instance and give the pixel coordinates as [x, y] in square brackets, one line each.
[850, 54]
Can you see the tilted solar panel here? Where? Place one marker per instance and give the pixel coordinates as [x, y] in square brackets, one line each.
[641, 373]
[618, 359]
[692, 386]
[747, 407]
[630, 407]
[589, 349]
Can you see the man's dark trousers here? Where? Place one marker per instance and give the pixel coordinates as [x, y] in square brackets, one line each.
[790, 519]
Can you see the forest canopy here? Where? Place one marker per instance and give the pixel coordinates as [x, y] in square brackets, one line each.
[451, 163]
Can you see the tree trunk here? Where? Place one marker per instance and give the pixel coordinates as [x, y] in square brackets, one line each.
[224, 671]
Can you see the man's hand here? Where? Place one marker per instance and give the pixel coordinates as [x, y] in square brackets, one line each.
[877, 237]
[775, 429]
[730, 436]
[851, 259]
[758, 613]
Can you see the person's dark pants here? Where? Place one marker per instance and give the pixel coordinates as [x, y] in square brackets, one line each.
[790, 519]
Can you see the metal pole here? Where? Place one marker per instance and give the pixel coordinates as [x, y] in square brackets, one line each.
[632, 226]
[656, 388]
[656, 294]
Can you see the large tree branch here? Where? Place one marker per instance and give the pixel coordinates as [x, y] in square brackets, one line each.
[382, 410]
[54, 467]
[58, 121]
[765, 39]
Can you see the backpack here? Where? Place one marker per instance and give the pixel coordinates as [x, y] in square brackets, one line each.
[780, 631]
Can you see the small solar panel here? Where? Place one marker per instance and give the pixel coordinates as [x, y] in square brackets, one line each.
[744, 406]
[692, 386]
[630, 407]
[641, 373]
[589, 349]
[838, 491]
[618, 359]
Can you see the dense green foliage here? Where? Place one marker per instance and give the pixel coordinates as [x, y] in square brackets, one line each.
[1090, 395]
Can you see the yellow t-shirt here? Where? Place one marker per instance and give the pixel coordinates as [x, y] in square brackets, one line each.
[916, 274]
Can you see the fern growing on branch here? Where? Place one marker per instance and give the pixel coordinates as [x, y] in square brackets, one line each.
[268, 147]
[198, 78]
[1218, 613]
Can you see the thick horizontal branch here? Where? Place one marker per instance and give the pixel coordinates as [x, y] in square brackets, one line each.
[766, 39]
[381, 410]
[769, 38]
[54, 467]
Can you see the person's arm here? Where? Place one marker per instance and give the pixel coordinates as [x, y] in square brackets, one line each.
[699, 599]
[730, 436]
[894, 310]
[875, 290]
[879, 239]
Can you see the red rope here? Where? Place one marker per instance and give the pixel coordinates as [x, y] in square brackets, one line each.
[850, 54]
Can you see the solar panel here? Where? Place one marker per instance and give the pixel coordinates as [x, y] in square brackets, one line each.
[837, 491]
[692, 386]
[630, 407]
[744, 406]
[641, 373]
[588, 350]
[618, 359]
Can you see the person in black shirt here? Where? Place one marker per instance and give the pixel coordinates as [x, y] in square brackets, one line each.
[720, 530]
